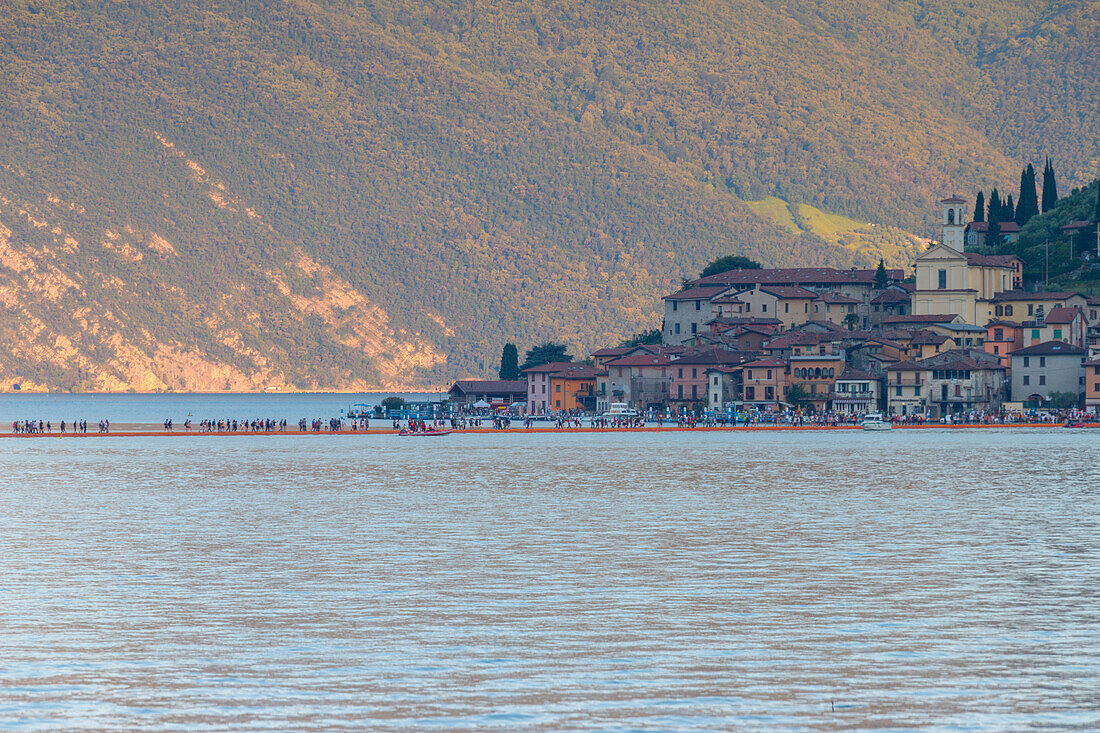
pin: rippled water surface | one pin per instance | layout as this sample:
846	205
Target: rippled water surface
767	581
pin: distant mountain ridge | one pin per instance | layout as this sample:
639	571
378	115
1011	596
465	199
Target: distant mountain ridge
249	194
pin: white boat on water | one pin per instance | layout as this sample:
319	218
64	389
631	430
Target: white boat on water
620	411
875	421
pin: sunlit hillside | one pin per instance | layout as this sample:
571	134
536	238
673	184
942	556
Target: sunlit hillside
242	195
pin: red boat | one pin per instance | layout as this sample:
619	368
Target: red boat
425	433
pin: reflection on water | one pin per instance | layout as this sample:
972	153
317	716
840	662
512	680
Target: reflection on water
679	581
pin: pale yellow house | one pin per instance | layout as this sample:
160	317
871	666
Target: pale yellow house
950	281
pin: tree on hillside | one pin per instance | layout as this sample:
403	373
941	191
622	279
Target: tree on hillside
979	207
544	354
643	338
729	262
993	236
1008	210
880	274
1050	188
1028	205
994	213
509	363
1096	207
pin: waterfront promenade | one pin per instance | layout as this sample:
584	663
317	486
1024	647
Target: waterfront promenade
138	430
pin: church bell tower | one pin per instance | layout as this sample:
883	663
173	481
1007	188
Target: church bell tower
952	222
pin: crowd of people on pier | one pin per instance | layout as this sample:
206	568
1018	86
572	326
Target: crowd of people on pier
34	427
565	421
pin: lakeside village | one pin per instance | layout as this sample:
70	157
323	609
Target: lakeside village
958	341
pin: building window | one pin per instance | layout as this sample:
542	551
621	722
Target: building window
996	349
1027	380
750	373
943	279
1027	361
679	372
694	373
676	328
1008	310
1042	361
694	327
998	334
698	305
1035	333
557	388
898	392
1031	309
1042	379
769	374
557	404
916	391
786	307
1057	334
674	304
763	307
999	311
750	393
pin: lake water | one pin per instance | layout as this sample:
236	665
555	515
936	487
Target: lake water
942	580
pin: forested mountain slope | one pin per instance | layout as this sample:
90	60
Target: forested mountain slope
242	194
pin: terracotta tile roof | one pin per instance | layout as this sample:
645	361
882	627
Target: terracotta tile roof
973	258
712	355
697	293
891	297
851	373
788	291
744	321
1077	224
613	351
1050	348
923	336
971	359
567	370
641	360
1007	227
1059	315
905	366
490	386
765	363
1014	295
796	276
827	325
932	318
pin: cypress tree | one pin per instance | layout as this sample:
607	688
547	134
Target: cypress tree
1096	208
994	206
880	274
1028	205
993	236
509	363
1008	212
979	207
1050	187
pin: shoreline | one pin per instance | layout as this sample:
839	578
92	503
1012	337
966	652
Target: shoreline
519	431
